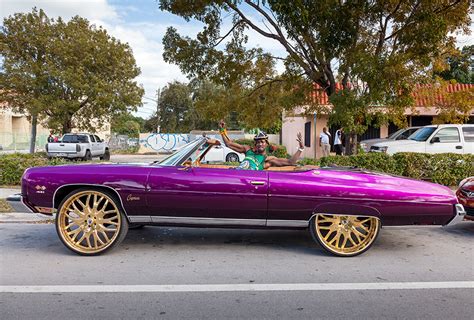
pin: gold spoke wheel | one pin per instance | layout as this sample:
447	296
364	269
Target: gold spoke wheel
345	235
89	222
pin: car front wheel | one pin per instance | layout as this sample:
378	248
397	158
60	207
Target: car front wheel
344	235
90	221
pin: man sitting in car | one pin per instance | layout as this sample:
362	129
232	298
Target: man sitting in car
256	157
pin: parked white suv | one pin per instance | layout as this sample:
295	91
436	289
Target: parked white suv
444	138
79	145
401	134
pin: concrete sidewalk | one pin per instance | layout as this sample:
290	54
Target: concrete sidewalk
5	192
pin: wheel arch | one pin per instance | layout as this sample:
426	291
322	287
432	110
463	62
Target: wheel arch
340	208
66	189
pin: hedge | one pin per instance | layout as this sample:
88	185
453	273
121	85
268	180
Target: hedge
445	168
13	165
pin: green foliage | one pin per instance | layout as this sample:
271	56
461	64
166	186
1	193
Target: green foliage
459	66
177	111
66	73
126	123
13	165
446	168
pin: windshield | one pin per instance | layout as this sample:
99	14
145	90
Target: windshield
188	152
395	134
422	134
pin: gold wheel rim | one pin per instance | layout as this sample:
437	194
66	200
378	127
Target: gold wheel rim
89	221
346	235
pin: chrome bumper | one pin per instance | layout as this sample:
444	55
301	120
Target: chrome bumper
460	214
16	202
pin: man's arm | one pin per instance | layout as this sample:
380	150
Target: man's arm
229	143
281	162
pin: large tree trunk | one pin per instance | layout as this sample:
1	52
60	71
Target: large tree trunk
351	144
67	126
34	122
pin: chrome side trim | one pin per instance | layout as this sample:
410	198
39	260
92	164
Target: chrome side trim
460	213
209	221
92	185
139	219
288	223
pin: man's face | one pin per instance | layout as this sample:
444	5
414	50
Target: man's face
260	145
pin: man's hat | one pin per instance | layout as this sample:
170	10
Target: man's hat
260	136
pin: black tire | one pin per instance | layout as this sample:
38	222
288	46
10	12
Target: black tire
327	239
135	226
88	156
106	155
232	157
62	223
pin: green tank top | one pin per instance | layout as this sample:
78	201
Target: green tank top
252	161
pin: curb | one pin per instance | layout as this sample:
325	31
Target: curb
25	217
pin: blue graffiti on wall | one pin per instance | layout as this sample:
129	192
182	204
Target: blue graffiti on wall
165	141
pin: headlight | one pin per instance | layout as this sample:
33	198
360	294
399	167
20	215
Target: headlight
383	149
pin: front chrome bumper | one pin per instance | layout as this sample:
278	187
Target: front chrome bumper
16	202
460	214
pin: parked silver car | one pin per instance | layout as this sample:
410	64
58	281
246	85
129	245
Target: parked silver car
401	134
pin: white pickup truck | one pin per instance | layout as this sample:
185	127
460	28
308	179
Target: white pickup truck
443	138
79	145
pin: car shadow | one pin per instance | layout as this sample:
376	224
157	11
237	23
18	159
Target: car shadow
291	240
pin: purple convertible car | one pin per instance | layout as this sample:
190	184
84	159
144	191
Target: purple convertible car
343	208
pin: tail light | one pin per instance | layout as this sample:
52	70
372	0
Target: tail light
46	147
78	148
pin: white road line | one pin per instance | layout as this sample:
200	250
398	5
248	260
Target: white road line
240	287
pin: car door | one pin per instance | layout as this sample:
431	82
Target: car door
468	135
93	145
216	154
193	195
445	140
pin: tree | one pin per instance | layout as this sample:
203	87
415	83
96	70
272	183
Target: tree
65	74
375	49
127	124
459	66
177	111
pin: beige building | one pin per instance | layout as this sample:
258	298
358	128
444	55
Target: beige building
15	131
311	126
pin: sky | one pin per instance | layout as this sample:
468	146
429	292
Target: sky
141	24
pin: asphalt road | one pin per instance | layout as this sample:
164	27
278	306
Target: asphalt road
184	273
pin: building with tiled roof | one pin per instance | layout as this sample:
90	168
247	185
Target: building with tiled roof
313	125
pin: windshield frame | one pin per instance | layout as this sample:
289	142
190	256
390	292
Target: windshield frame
179	156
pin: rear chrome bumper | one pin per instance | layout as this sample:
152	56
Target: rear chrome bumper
16	202
460	214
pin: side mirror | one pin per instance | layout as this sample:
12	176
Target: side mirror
435	139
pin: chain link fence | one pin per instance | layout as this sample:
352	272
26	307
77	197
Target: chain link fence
13	142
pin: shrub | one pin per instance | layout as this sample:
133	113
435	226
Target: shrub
13	165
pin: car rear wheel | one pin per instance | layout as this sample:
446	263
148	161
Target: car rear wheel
88	156
344	235
90	221
232	157
106	155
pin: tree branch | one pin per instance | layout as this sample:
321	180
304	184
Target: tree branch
227	34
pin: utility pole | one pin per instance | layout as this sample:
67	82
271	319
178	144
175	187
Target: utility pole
158	94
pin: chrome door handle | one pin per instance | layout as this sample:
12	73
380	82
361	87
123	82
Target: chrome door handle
257	183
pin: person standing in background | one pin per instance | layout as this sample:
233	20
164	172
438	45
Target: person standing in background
324	143
338	141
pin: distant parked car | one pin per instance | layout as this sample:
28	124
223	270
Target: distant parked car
222	154
443	138
79	145
401	134
465	194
